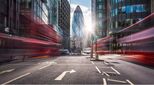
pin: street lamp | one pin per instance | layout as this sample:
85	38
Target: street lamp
96	55
92	50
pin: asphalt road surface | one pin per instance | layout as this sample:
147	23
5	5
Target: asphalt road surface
76	70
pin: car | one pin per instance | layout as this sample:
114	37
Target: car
86	51
64	52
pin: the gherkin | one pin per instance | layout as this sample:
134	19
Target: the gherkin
77	23
77	29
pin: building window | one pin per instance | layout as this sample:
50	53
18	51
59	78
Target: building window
100	6
117	1
133	8
114	12
100	15
26	3
99	0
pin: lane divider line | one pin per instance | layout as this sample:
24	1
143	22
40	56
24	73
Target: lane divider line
105	67
116	81
16	78
92	62
7	71
129	82
115	70
106	74
104	81
97	69
111	72
44	67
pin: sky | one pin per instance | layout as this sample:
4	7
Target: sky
81	2
86	9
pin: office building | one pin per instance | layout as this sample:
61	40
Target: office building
111	16
9	16
99	17
127	12
77	29
64	22
152	4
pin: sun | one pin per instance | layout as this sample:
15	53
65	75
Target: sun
88	24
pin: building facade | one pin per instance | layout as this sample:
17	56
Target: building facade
27	29
77	29
111	16
9	16
64	22
99	17
127	12
24	17
77	23
37	12
152	4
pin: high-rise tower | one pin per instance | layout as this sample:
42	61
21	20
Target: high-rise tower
77	27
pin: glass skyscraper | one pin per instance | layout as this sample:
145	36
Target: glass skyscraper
127	12
77	27
77	23
99	17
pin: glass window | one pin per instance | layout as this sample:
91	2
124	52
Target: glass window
100	6
100	15
133	8
114	12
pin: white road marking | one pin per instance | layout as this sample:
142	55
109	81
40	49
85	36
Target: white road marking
49	64
112	72
97	69
117	81
61	76
105	67
104	81
16	78
7	71
115	70
92	62
129	82
106	74
44	67
106	63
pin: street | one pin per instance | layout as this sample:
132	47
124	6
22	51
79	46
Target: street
75	70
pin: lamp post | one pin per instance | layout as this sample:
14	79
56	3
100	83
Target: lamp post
92	50
96	55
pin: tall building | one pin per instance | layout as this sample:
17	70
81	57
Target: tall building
53	12
27	28
77	23
99	17
9	16
111	16
64	22
77	29
25	17
152	4
37	12
127	12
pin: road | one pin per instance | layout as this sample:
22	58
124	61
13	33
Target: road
76	70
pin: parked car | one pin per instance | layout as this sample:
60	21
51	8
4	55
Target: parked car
64	52
86	51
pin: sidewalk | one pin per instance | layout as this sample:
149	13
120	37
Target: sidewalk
140	59
107	56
